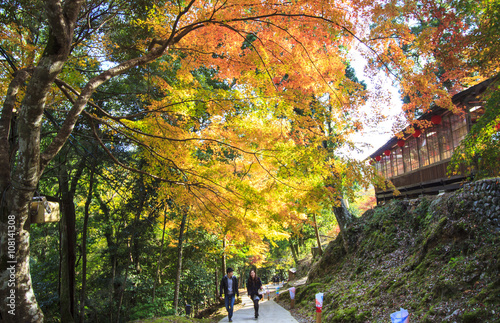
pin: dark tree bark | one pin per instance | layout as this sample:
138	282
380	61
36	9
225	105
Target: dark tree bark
84	245
112	246
141	198
179	261
318	238
297	249
157	277
123	286
223	256
68	239
294	253
114	261
216	274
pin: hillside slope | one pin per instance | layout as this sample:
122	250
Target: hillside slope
437	257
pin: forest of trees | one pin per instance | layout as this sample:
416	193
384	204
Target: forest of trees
181	136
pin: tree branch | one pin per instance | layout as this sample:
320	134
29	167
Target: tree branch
135	170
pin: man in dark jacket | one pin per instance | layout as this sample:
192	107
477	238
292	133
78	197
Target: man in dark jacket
229	287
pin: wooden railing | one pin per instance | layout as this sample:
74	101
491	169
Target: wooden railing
428	180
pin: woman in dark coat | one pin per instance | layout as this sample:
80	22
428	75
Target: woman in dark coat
253	286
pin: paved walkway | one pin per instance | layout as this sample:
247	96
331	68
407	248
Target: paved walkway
269	311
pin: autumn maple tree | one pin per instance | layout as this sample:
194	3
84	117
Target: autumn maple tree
435	49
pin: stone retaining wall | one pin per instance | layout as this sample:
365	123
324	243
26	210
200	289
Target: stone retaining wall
485	197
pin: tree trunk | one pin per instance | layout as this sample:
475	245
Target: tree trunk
344	218
123	286
18	302
109	235
84	245
318	239
216	283
223	256
68	241
241	282
135	236
112	286
179	262
19	183
67	259
294	254
297	249
157	278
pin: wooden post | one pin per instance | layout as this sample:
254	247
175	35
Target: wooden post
291	291
319	306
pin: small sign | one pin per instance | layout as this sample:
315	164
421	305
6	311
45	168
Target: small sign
292	292
319	302
43	211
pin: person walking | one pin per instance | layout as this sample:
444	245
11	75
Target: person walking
253	286
229	287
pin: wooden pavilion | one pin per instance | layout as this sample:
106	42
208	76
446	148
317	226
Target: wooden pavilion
417	164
